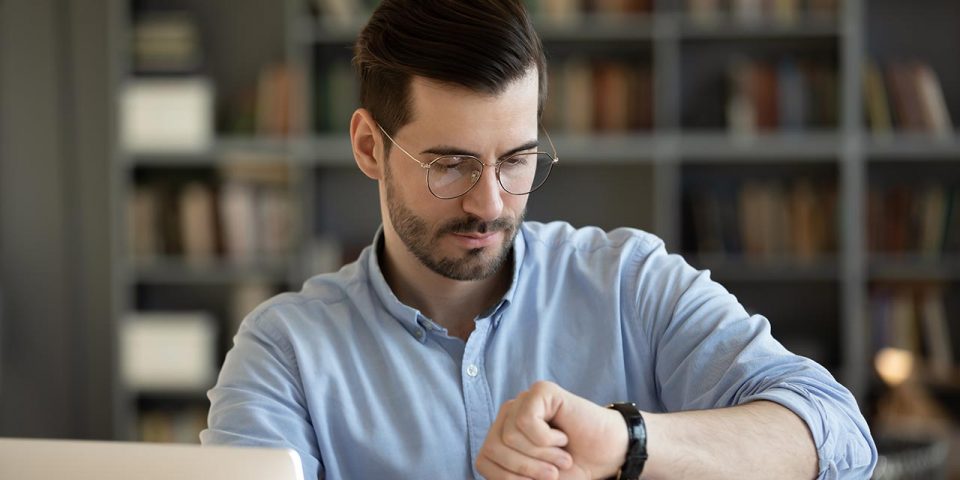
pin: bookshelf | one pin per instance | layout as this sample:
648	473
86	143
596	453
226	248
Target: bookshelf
696	137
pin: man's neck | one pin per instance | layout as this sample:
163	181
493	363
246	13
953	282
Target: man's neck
453	304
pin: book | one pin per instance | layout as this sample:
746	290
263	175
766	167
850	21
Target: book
791	96
610	99
579	96
804	215
198	224
906	101
875	100
142	223
786	12
748	12
166	42
168	351
741	111
280	101
951	230
764	92
561	12
640	98
166	115
933	107
932	221
238	219
904	321
937	338
704	12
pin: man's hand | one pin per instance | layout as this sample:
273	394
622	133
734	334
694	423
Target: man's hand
547	433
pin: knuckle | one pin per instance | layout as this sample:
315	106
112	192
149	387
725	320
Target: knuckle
513	439
543	386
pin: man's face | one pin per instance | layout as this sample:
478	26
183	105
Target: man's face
468	237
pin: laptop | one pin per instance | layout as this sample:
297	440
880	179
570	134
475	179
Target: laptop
29	459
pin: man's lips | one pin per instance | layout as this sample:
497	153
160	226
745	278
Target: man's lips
476	240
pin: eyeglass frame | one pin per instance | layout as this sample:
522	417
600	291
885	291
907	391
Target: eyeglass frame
426	166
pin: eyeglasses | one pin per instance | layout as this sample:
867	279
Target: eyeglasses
452	176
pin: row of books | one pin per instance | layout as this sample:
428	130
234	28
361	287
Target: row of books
247	215
905	96
561	11
337	95
755	12
763	219
914	219
273	107
166	42
172	425
788	95
599	96
914	318
349	12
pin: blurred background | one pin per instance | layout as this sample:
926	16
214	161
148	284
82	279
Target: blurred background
166	165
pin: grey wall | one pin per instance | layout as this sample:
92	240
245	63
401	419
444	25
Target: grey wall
55	335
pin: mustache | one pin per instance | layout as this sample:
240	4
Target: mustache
475	225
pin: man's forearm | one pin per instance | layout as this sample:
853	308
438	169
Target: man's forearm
756	440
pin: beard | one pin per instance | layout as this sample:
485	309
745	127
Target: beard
424	242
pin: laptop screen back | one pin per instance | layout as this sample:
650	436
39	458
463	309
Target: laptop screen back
27	459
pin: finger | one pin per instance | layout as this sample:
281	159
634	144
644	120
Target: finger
533	414
516	463
508	459
491	471
514	437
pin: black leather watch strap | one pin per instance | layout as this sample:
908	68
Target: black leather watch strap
636	441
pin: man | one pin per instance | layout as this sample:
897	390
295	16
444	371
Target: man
465	342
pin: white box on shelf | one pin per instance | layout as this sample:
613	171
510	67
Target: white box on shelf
167	115
169	351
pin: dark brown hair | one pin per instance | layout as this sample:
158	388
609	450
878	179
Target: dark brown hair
482	45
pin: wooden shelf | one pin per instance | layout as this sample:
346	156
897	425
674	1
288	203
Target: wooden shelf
805	27
224	150
773	147
587	28
179	271
333	149
748	269
912	146
914	267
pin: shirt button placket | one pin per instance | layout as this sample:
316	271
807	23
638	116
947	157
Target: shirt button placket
478	404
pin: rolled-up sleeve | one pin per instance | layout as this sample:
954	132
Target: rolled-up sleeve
710	353
258	399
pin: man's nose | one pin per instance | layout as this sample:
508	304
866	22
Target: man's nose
485	199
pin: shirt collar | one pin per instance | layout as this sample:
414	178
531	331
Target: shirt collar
410	318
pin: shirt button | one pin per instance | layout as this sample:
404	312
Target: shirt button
472	370
419	334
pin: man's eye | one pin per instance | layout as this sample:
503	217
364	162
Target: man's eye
450	162
517	161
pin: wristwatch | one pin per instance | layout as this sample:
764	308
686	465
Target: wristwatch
636	441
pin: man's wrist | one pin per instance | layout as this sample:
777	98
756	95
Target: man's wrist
619	441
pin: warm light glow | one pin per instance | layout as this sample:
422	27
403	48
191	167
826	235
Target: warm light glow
893	365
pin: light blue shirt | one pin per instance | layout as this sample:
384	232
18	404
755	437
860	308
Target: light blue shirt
363	386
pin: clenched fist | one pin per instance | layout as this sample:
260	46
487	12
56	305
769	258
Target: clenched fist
547	433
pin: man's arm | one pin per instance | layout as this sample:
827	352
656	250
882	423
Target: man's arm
258	400
756	440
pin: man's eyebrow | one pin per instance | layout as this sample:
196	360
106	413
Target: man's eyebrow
441	150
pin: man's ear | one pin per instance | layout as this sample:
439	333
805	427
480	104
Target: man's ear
366	139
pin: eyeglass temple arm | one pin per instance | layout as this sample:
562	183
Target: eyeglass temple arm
556	159
422	165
